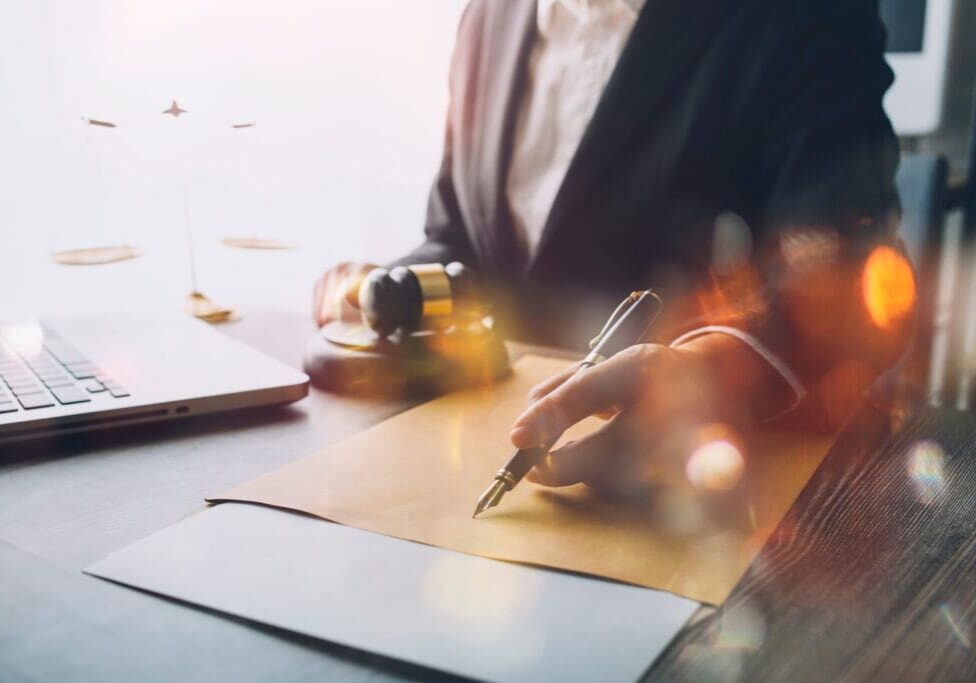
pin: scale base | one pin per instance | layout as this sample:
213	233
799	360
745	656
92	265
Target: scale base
203	308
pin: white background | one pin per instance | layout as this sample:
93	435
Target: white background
348	96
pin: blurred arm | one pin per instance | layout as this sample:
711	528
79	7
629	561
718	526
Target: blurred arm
836	299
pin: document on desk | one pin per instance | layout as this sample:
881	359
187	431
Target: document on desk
417	475
445	610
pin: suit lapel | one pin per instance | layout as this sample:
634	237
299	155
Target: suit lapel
667	40
511	31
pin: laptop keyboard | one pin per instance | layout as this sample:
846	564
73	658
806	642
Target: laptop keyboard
51	375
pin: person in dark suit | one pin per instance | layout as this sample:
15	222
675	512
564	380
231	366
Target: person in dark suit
733	154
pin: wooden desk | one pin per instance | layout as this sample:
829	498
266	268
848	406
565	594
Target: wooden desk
872	575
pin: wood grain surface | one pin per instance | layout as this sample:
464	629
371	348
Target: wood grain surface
871	576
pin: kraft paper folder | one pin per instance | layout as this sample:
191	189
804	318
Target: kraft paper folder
417	475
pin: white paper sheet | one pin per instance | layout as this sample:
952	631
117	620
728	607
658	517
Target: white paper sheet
446	610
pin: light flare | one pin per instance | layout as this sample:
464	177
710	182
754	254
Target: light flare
959	630
742	628
681	512
926	470
717	463
715	466
888	287
26	338
458	587
809	249
751	509
454	441
732	297
731	243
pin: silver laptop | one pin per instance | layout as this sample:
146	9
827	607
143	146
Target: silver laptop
92	372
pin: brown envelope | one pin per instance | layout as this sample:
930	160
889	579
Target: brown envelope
417	476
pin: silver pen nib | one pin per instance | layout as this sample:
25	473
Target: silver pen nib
490	498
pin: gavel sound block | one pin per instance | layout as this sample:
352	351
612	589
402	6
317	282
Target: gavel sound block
424	329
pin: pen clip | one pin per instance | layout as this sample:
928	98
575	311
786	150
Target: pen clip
615	316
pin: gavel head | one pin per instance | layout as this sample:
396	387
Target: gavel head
419	297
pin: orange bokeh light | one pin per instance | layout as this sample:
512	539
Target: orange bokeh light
888	287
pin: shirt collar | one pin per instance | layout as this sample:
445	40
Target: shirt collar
579	9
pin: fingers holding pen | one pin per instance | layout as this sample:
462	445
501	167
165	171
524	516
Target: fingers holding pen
618	381
654	388
586	459
547	386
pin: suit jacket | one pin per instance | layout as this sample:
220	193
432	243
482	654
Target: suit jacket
768	109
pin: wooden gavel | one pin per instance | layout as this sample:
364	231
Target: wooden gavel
427	296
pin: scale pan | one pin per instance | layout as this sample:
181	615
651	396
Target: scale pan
94	256
255	243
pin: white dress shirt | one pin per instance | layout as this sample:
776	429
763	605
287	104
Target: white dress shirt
577	48
578	44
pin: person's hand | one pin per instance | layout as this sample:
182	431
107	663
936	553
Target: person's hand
336	291
650	390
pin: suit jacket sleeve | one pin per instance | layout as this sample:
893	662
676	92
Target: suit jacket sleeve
446	238
837	294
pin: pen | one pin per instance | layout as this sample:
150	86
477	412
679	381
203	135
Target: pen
627	325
